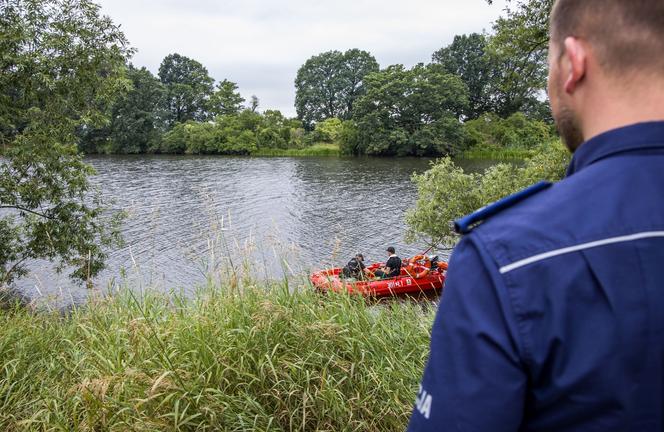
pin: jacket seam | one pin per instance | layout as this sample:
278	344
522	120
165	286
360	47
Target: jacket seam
502	284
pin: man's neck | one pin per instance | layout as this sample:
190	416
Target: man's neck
613	110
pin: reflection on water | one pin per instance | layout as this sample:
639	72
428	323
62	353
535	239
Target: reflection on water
189	215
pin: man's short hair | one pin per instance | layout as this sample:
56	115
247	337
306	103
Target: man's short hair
626	34
360	256
390	249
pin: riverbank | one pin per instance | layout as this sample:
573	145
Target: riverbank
256	358
499	154
334	149
320	149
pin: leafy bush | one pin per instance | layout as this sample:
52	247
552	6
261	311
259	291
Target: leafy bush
442	137
409	112
446	192
242	133
349	138
190	137
328	130
490	132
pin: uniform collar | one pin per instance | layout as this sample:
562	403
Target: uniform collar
639	136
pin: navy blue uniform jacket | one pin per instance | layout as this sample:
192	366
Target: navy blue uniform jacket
552	316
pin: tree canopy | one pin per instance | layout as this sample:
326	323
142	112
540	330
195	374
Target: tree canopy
188	88
520	48
328	84
468	59
409	112
226	99
138	117
62	64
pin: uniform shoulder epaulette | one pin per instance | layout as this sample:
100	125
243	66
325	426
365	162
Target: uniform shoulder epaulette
467	223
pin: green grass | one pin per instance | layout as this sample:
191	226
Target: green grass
268	358
498	154
320	149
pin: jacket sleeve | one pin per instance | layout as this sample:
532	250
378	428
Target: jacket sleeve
474	379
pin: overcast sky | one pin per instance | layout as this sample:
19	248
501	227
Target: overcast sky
260	44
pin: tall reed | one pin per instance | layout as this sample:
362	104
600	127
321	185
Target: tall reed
234	357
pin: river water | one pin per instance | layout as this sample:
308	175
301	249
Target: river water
189	217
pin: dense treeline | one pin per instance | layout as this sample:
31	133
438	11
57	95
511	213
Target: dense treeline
481	92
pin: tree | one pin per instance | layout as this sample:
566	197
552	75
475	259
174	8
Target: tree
409	112
188	88
530	18
357	64
467	58
226	99
254	103
61	61
519	49
137	117
506	72
328	84
318	87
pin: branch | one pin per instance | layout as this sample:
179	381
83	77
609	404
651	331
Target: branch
45	216
8	273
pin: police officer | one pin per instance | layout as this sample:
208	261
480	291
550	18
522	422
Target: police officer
552	318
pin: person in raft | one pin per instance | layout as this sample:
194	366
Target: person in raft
392	267
355	267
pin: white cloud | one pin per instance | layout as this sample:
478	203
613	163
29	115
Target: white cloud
260	44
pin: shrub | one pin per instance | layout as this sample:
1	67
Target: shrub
446	192
349	143
490	132
328	130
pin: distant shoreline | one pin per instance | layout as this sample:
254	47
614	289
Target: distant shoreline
333	150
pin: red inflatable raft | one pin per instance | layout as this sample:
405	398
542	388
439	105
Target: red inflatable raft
417	276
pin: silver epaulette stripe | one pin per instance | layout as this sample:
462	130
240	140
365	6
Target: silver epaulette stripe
539	257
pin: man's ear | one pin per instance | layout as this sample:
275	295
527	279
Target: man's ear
575	55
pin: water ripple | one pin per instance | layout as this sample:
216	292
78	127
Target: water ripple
185	212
